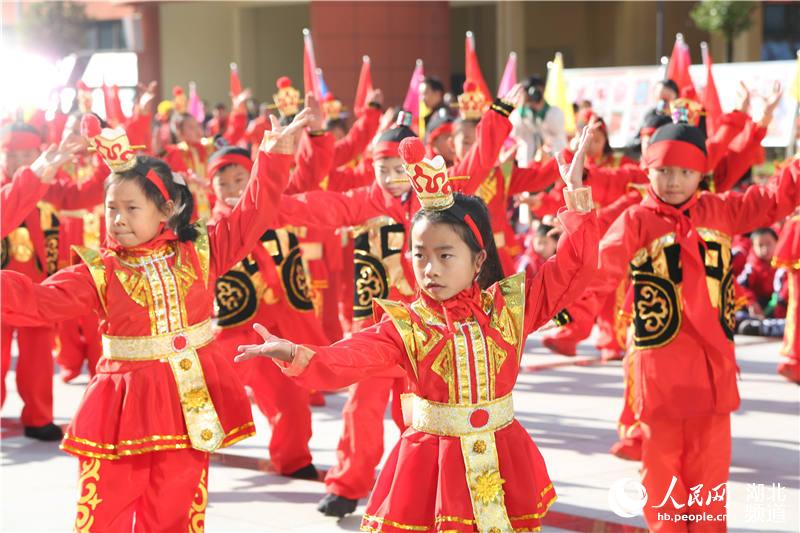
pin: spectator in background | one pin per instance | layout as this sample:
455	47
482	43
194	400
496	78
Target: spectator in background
538	126
432	95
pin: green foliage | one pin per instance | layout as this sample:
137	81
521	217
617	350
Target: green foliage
55	29
721	16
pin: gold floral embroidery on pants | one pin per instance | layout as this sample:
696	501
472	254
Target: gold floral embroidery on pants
90	499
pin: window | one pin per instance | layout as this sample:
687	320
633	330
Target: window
781	37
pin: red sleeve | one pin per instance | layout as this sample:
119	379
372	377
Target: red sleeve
366	353
138	128
533	179
327	209
237	125
491	133
563	277
19	198
66	294
717	145
66	194
762	205
609	184
346	178
314	158
357	139
233	236
174	158
737	160
616	249
608	214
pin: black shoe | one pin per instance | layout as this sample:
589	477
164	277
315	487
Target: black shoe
333	505
307	472
750	326
49	432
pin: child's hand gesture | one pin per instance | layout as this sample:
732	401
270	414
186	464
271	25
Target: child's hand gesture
572	173
283	139
239	101
742	98
515	95
770	103
273	347
47	164
316	120
148	96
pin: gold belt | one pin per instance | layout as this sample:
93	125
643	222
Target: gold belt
500	239
179	349
450	420
154	347
475	427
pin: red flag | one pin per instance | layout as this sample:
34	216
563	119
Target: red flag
236	84
310	81
114	114
364	86
678	69
472	68
710	97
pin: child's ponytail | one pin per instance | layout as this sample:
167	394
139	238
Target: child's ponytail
181	220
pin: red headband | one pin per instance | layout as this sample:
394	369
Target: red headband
386	149
156	180
229	159
671	153
441	130
475	231
20	140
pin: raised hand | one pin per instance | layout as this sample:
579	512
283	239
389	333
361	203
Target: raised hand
47	164
572	173
284	139
515	95
273	347
148	96
742	98
375	96
770	103
239	101
316	118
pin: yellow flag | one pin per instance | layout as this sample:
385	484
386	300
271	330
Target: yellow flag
795	90
555	92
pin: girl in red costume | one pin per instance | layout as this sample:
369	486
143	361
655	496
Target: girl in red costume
459	344
162	399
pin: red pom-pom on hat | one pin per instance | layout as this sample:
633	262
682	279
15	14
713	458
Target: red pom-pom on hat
329	97
470	86
411	150
283	82
90	126
177	90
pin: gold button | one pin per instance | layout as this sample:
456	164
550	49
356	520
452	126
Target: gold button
186	364
494	530
479	446
206	434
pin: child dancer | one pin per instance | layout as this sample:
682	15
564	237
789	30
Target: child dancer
162	398
460	345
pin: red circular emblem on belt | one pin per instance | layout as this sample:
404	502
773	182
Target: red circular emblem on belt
479	418
180	342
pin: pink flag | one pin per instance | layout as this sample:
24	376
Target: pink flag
196	108
411	103
509	78
310	80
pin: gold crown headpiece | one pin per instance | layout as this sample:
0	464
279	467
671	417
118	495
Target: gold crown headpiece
112	144
428	177
472	102
287	99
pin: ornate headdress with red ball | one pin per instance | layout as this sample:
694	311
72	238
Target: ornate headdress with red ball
332	107
287	99
472	102
116	150
429	180
179	100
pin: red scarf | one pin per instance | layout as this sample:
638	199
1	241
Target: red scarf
701	315
466	304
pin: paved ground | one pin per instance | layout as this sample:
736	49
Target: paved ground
569	406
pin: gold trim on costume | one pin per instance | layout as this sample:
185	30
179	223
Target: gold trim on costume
402	322
579	199
89	499
153	347
448	420
94	261
484	482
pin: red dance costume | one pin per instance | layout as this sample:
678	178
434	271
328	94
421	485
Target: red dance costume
163	396
462	358
684	382
787	256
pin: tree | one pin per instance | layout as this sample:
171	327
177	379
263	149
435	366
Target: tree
723	17
55	29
